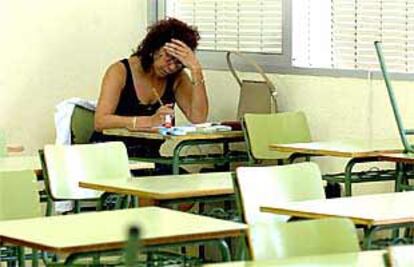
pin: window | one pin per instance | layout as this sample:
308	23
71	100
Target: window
255	27
340	34
299	35
243	25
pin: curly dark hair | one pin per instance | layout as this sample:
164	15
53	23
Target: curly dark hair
162	32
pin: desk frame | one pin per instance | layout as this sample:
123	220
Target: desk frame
224	138
348	177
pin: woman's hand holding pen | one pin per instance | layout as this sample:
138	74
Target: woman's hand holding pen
159	117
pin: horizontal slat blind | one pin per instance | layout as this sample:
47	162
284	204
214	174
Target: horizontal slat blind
356	24
244	25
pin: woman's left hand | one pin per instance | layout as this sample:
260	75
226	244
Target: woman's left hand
183	53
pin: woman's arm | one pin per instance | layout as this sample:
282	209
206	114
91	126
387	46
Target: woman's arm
112	85
191	95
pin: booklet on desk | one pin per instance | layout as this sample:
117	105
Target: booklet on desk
204	128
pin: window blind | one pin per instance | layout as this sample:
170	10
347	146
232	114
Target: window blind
354	26
243	25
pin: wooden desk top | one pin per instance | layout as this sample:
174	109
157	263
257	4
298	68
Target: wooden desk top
20	163
379	209
401	256
137	165
398	157
108	229
168	186
373	258
195	136
351	148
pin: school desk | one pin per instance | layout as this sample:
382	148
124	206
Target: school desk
357	151
188	140
107	231
372	212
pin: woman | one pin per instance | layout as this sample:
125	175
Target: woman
133	89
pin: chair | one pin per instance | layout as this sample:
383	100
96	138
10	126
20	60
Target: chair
81	125
304	238
19	196
274	184
19	199
269	184
64	166
261	130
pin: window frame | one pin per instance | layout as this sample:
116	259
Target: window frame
272	63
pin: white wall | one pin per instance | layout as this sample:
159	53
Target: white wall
51	50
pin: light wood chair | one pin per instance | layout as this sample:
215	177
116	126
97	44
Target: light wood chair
19	196
304	238
19	199
64	166
274	184
81	125
261	130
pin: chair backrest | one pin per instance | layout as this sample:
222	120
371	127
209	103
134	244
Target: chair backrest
19	196
67	165
304	238
261	130
275	184
81	125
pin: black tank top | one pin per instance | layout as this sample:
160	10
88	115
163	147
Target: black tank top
129	105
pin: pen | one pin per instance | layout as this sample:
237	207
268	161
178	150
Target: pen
158	96
168	119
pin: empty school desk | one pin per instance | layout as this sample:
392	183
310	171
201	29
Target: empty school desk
107	231
177	159
358	151
373	212
357	259
170	189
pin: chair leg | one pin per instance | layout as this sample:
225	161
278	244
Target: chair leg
49	207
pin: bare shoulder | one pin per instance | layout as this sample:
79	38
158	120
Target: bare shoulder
116	69
115	75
